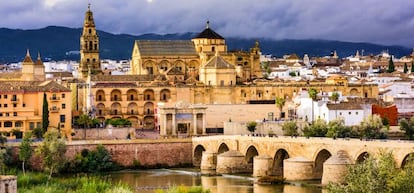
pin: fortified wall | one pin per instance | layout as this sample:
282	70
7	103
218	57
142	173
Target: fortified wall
149	153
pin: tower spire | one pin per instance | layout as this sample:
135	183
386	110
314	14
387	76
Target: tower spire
207	24
27	53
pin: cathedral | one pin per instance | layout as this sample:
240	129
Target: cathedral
196	71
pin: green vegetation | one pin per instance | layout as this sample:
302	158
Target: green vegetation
45	114
290	128
38	132
280	102
405	68
118	122
183	189
335	96
25	150
318	128
39	183
52	152
98	160
17	133
391	66
408	127
371	127
251	126
377	176
337	129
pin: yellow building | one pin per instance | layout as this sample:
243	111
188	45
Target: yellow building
200	71
22	96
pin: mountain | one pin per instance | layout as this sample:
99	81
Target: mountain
59	43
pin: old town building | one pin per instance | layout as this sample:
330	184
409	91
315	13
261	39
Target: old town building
197	71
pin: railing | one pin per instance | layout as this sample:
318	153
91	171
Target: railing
54	109
54	98
116	99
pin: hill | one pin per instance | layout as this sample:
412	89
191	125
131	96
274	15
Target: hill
59	43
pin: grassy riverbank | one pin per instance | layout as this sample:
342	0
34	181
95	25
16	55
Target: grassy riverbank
38	183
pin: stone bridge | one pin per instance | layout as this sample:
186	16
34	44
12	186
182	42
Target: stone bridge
296	158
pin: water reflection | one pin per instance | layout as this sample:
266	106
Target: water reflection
146	181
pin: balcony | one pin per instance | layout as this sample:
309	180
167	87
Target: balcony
116	99
115	113
132	113
54	98
54	109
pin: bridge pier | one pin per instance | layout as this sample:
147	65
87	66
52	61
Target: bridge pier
262	166
298	168
231	162
208	163
335	168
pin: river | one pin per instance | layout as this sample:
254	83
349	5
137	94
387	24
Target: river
146	181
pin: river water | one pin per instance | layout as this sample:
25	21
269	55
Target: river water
147	181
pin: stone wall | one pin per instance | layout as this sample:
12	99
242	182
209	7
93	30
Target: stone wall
8	184
149	153
267	127
102	133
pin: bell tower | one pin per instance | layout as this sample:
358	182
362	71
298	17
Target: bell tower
89	47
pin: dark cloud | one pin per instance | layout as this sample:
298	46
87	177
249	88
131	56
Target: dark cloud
386	22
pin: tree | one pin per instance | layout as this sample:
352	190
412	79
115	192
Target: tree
335	96
52	151
337	128
317	129
391	66
251	126
408	128
377	176
290	128
372	128
313	94
45	113
25	150
280	102
85	121
405	68
3	155
412	67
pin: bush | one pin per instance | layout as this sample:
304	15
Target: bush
317	129
290	128
118	122
98	160
38	132
251	126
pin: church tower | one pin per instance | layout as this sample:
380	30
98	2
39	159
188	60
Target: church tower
89	47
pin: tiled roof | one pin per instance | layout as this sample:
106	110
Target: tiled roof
32	86
209	34
166	48
344	106
218	62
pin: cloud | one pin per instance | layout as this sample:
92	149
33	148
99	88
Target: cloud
385	22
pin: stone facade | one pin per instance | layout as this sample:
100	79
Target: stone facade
8	184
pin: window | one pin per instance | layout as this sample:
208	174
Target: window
63	106
213	49
349	112
131	97
356	113
15	114
14	97
8	124
18	124
0	124
0	105
5	96
63	95
7	114
38	125
24	105
54	96
340	113
14	105
62	118
1	114
31	125
221	82
5	105
115	97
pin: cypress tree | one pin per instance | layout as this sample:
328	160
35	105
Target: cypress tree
391	67
45	113
405	68
412	67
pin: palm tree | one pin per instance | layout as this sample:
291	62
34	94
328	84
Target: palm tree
280	102
313	93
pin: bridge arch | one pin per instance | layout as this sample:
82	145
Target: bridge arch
321	157
250	154
198	153
407	158
222	148
280	155
362	156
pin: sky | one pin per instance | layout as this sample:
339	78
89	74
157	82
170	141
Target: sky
387	22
